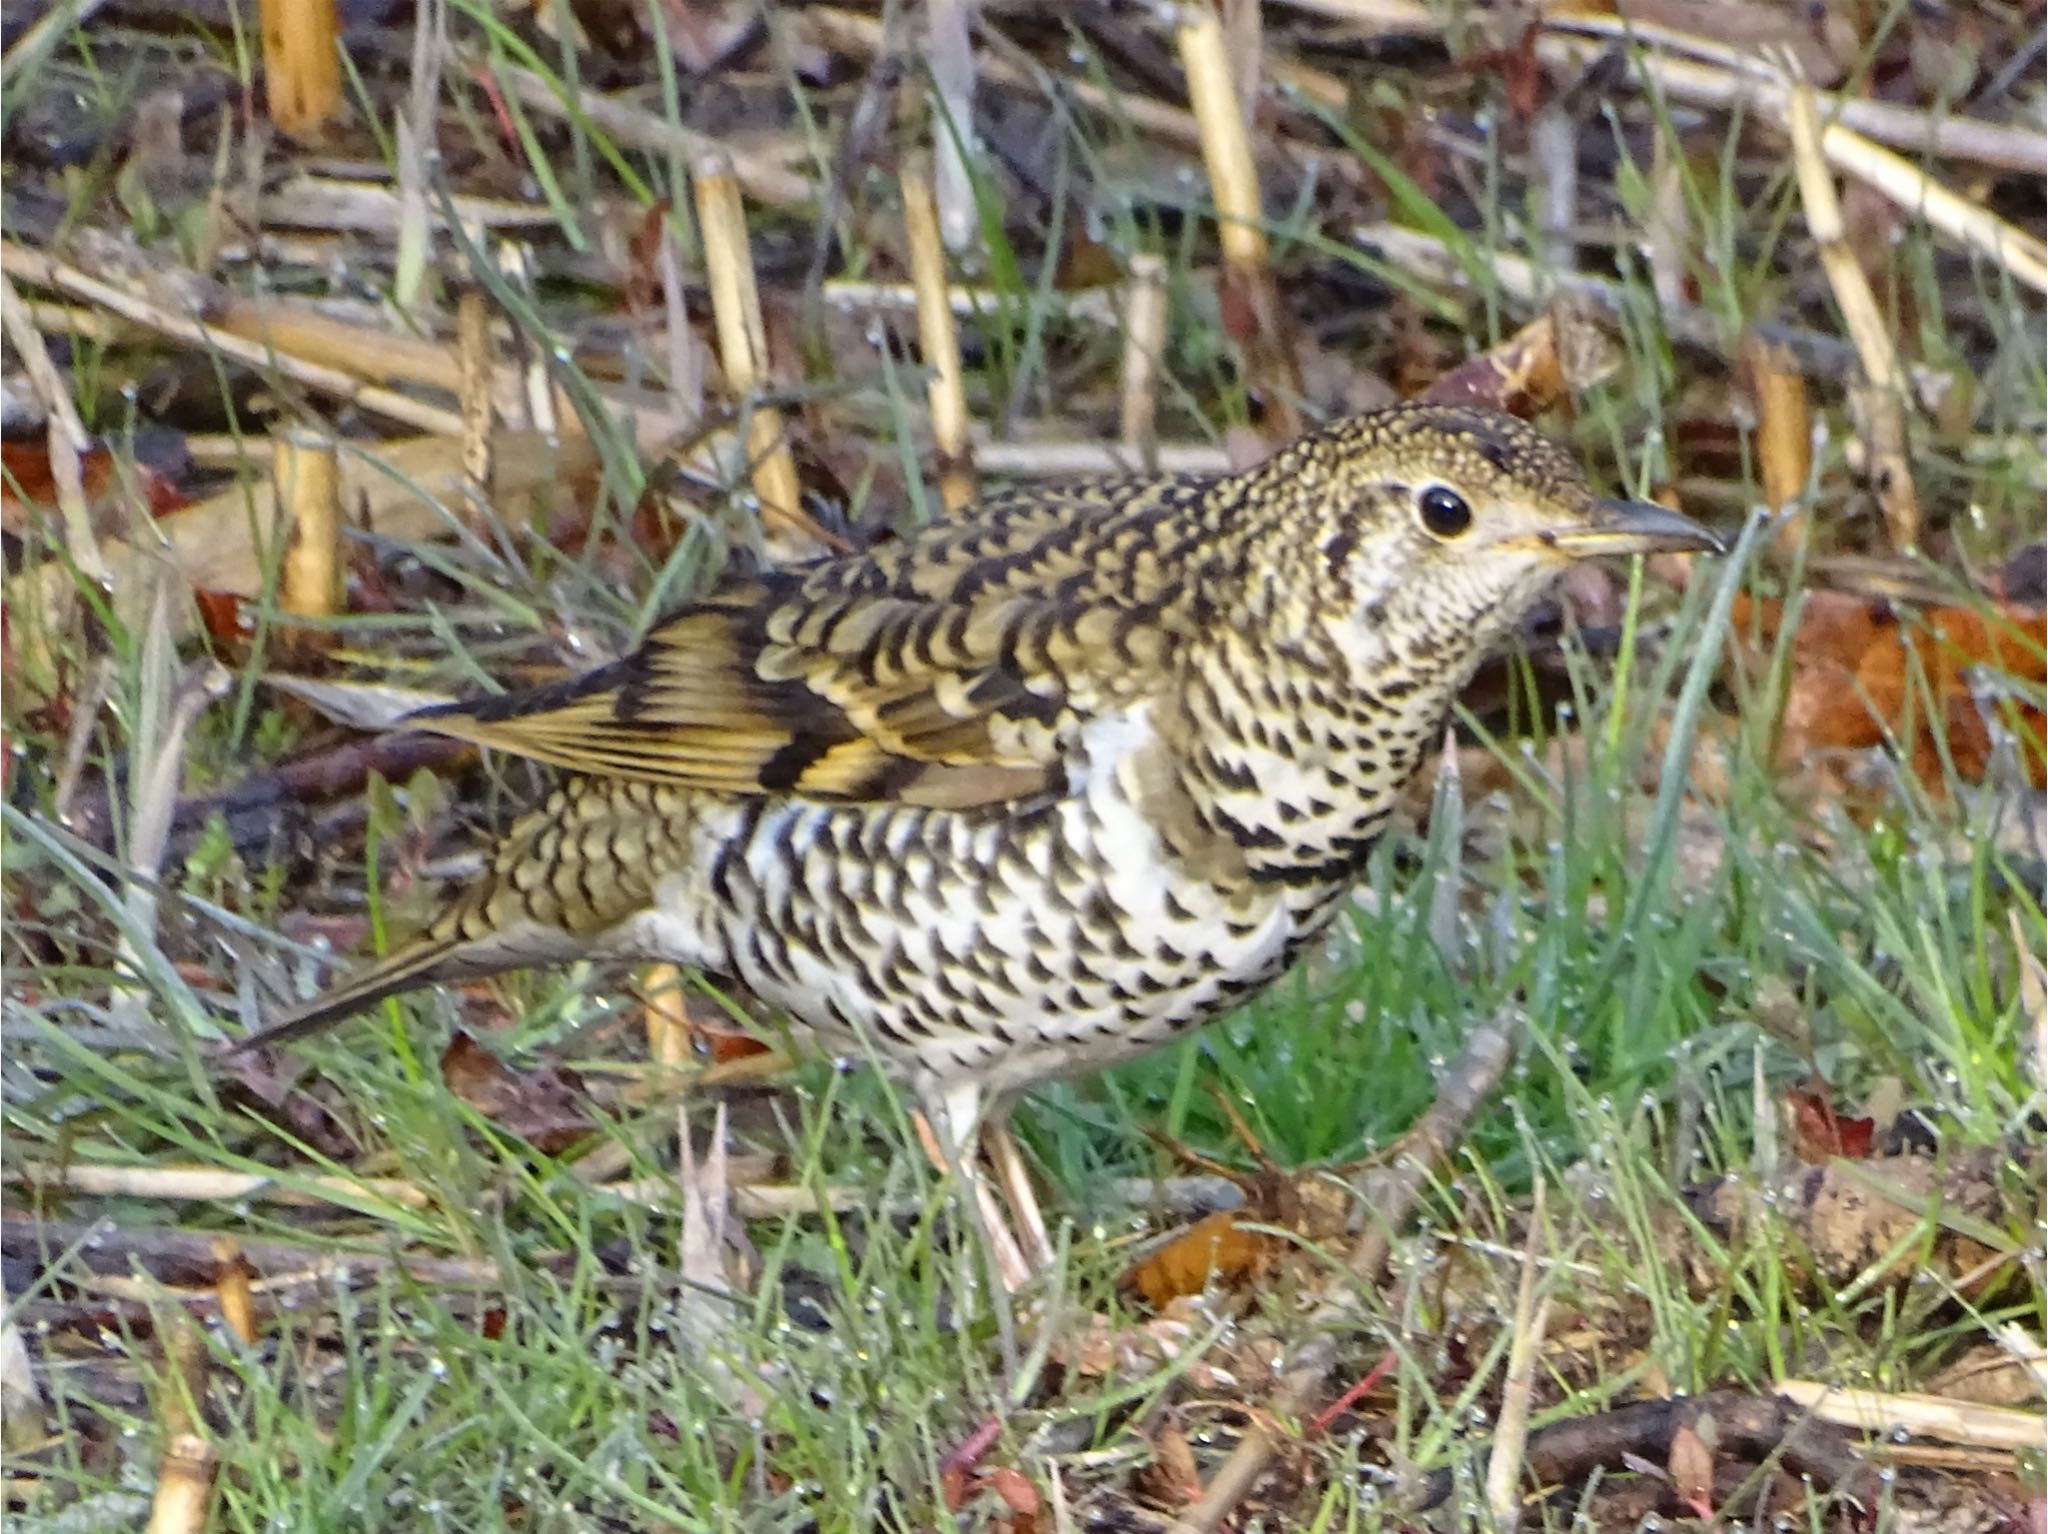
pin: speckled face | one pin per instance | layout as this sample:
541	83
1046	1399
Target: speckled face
1435	528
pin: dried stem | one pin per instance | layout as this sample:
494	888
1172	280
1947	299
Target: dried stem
475	367
951	60
301	64
947	391
306	471
26	265
668	1016
416	143
743	341
1234	183
684	354
231	1288
1390	1195
763	176
1061	458
184	1486
1226	146
1144	345
2001	1427
1784	435
68	441
1911	188
1881	402
1511	1429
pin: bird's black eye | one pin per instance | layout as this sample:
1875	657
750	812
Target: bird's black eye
1444	511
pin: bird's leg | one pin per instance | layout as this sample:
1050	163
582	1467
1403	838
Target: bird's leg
954	1112
1007	1157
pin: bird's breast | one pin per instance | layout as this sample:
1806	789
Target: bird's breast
1012	941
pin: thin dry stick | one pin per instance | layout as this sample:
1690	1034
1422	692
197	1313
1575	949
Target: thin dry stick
951	59
765	177
1784	436
1092	306
854	33
365	208
365	352
667	1015
306	470
743	339
1752	83
416	145
1881	401
68	441
184	1486
1994	1427
1511	1427
301	64
231	1288
685	355
211	1184
1389	1196
1226	146
1144	344
21	1398
535	391
26	265
1234	183
1554	174
475	367
1669	233
159	747
1906	184
1064	458
947	391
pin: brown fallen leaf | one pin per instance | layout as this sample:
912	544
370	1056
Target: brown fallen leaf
546	1107
28	486
1562	351
1820	1134
1691	1463
1864	669
1215	1246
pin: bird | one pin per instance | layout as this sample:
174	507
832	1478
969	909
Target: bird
1040	786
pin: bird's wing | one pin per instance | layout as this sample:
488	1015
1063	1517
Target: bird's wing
954	669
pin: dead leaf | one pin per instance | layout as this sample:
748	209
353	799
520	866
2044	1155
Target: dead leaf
28	486
1692	1470
546	1107
1018	1494
1174	1479
1819	1134
1539	367
1866	668
1216	1245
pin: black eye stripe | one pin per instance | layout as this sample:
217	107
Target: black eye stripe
1444	511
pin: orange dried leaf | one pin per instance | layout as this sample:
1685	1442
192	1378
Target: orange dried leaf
1215	1244
1863	670
1016	1490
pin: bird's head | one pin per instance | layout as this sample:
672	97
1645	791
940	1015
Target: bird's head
1430	531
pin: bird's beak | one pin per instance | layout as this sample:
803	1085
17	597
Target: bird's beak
1633	527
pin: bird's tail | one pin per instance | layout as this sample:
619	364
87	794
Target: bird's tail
567	874
434	956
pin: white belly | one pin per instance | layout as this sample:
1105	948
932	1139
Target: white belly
1008	943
